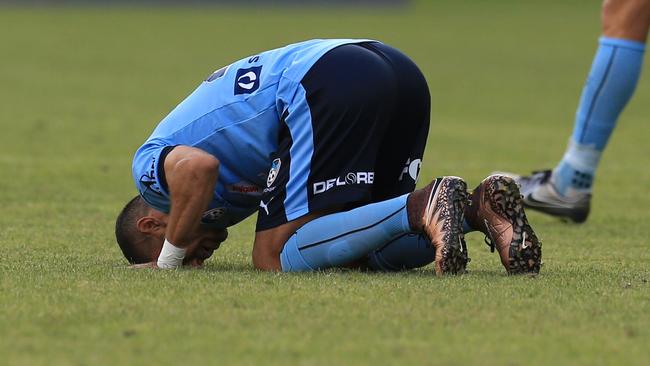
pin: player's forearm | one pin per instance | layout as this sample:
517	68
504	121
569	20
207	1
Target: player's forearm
191	188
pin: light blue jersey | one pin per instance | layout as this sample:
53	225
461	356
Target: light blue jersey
234	115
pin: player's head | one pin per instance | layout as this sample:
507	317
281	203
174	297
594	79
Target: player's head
140	233
135	230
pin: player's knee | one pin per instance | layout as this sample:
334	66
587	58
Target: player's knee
267	263
627	19
266	257
270	243
279	254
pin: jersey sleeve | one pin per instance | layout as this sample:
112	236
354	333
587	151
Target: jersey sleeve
149	176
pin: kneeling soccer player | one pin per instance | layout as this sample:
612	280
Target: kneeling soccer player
324	139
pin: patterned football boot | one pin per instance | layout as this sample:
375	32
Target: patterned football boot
437	211
496	209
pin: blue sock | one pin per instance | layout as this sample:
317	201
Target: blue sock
407	251
610	85
575	172
343	237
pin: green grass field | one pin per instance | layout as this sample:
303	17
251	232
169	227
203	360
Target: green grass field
81	88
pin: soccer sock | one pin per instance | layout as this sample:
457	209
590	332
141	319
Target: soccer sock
340	238
610	85
575	172
407	251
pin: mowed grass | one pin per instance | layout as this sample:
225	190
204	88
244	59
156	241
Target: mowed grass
81	88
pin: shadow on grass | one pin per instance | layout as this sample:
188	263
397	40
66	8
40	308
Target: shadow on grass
556	272
425	272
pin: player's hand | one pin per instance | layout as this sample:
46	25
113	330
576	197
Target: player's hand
207	241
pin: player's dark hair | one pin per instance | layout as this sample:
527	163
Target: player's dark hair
127	233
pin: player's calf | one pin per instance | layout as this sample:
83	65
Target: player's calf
341	238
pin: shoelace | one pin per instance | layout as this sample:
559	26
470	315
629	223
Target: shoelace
488	236
489	243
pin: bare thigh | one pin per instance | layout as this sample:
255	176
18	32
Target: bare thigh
628	19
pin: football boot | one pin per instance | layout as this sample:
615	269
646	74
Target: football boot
496	209
437	211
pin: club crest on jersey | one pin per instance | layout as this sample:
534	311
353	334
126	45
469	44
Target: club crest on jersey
273	173
247	80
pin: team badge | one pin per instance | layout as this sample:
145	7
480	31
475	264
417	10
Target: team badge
273	173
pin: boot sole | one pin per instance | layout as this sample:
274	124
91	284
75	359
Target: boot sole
577	215
525	252
450	198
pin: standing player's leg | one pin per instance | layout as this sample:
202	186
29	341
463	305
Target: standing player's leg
566	190
611	83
